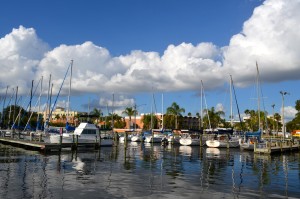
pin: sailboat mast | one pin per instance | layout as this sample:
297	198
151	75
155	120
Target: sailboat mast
112	111
2	115
70	85
152	113
258	96
237	105
207	112
201	106
39	106
162	111
231	110
16	97
48	99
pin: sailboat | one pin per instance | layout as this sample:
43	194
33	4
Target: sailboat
224	137
247	143
156	135
68	126
67	137
192	138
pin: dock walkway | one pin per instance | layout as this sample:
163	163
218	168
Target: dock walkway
42	146
273	146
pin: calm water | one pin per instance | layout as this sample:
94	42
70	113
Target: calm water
145	171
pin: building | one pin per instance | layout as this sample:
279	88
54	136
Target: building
61	115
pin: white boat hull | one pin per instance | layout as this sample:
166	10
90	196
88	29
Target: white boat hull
149	139
136	138
223	144
191	141
55	139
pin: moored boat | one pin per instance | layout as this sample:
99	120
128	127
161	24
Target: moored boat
86	132
224	139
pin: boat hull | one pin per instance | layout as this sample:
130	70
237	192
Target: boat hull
222	144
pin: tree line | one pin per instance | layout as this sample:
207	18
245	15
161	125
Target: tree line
172	119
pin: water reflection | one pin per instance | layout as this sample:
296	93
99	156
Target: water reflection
148	170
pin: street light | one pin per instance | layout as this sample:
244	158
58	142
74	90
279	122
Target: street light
283	93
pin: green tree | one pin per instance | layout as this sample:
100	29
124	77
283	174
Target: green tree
213	117
97	114
64	117
199	118
57	117
176	111
147	121
295	123
129	111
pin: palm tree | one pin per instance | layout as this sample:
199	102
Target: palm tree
175	110
97	113
214	117
116	119
277	118
57	117
129	111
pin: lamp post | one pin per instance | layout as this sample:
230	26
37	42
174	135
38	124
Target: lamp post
283	93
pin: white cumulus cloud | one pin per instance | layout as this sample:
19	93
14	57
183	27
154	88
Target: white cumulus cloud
271	36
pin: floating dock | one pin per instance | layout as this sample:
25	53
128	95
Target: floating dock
273	146
42	146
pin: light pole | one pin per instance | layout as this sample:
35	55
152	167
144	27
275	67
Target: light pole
283	93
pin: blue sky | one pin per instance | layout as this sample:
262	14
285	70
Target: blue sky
135	49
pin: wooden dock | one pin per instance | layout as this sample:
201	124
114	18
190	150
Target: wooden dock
42	146
273	146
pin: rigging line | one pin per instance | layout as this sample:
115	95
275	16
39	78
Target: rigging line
27	105
59	92
241	123
32	112
206	105
263	102
19	114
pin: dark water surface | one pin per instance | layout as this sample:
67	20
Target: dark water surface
145	171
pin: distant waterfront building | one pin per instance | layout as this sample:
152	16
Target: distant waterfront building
61	115
185	122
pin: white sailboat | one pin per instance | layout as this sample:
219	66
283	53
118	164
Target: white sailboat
223	141
224	137
247	143
156	137
190	139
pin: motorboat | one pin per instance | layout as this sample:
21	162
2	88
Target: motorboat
86	132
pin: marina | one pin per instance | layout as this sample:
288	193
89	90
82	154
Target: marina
149	171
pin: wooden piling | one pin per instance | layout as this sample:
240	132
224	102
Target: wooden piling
76	141
60	142
200	137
